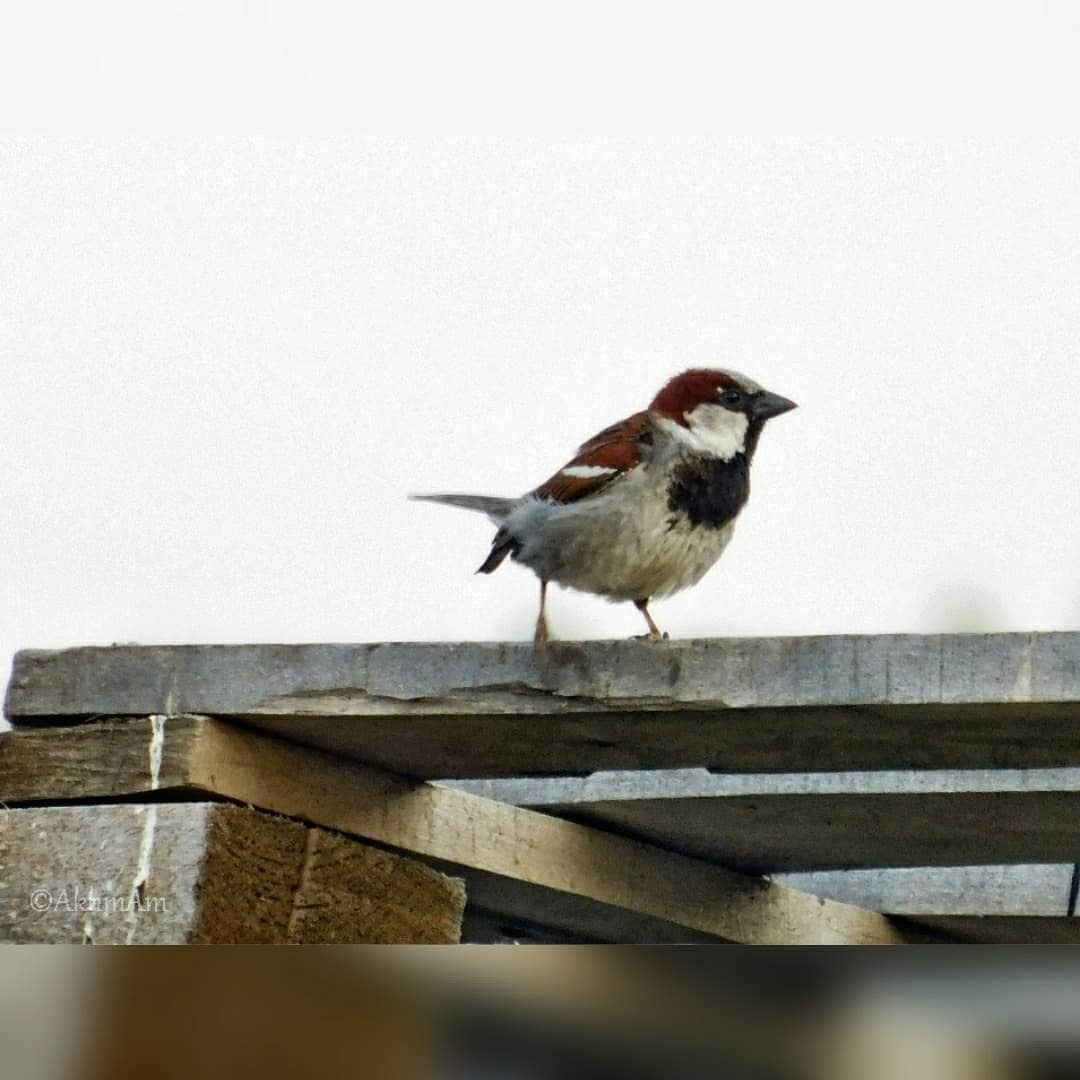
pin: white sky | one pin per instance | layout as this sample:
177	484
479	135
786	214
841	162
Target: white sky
225	361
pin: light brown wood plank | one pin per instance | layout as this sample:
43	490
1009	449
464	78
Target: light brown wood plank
476	709
90	760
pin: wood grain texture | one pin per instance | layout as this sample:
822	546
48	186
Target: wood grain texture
785	833
1024	889
519	861
782	823
520	845
209	872
57	767
474	709
355	894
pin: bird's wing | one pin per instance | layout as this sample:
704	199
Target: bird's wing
605	457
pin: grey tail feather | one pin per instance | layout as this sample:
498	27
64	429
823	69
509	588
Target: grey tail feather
495	508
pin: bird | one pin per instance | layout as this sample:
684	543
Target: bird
645	507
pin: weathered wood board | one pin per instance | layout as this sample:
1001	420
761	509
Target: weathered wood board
778	823
530	865
175	873
473	709
1027	889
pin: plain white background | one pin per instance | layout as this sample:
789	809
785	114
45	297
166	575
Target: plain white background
226	360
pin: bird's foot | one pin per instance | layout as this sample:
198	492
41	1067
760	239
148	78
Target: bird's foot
659	635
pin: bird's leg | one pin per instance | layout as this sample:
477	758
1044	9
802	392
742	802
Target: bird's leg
655	633
541	635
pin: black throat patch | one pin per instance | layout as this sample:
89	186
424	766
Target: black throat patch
709	491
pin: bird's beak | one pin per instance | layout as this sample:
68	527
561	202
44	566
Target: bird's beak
767	405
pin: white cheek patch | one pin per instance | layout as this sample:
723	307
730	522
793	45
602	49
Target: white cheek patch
712	430
587	472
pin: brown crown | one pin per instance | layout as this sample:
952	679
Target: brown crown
688	390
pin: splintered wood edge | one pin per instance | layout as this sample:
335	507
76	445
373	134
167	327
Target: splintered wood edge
451	827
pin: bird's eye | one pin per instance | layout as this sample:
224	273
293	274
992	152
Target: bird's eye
732	398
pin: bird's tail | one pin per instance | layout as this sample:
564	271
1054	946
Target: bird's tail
495	508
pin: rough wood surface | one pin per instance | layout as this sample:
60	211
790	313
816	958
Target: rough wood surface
475	709
785	833
527	862
55	767
950	890
69	873
785	823
932	895
356	894
208	872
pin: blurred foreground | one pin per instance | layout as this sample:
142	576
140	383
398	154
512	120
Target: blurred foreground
539	1013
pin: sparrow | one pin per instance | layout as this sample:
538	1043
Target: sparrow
647	506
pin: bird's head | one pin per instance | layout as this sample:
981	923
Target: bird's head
716	412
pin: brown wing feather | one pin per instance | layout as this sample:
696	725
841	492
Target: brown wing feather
619	447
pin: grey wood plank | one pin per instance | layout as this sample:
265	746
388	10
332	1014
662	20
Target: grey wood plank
777	823
949	890
701	784
771	834
482	709
69	874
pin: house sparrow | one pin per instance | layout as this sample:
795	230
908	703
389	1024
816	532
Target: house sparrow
648	505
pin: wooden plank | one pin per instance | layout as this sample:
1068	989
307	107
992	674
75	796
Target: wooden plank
627	785
55	768
69	874
782	823
474	709
615	885
1036	889
784	833
208	872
